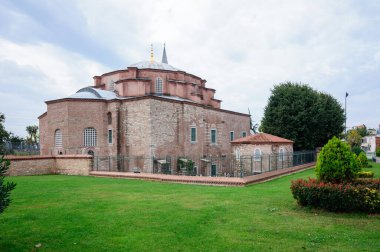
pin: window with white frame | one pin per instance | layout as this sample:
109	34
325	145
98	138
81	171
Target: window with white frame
281	154
257	155
159	86
89	137
213	136
193	134
109	136
237	153
232	136
58	138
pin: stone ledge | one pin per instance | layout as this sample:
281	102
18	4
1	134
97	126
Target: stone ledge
48	157
215	181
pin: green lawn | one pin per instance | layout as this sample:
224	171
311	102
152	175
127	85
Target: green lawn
73	213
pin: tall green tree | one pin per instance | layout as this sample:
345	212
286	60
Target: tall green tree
4	135
297	112
33	134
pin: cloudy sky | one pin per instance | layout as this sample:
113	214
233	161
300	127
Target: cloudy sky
50	49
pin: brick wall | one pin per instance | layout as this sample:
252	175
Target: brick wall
41	165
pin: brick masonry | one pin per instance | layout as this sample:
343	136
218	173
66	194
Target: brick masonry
43	165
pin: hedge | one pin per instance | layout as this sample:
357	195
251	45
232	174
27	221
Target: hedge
366	174
358	196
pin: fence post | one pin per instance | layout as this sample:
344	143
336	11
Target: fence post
270	164
241	168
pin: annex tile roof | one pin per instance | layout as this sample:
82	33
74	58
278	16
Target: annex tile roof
155	65
261	138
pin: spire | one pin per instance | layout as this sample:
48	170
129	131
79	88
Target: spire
151	54
164	58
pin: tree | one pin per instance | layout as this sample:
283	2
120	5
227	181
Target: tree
5	187
297	112
4	135
362	130
353	138
33	134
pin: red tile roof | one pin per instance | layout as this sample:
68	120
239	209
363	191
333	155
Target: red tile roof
261	138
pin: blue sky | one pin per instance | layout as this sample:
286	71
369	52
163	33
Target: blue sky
50	49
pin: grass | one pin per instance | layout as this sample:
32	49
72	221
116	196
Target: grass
74	213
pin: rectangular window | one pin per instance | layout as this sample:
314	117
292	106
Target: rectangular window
232	136
193	137
213	136
244	134
109	136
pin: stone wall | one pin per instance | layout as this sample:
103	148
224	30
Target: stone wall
42	165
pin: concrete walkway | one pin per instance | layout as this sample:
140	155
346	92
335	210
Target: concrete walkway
216	181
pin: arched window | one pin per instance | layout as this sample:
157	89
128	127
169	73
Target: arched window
89	137
112	85
159	86
58	138
281	154
91	152
237	154
257	155
109	117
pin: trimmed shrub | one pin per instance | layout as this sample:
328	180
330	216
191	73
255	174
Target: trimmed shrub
377	152
338	197
370	183
336	163
366	174
362	160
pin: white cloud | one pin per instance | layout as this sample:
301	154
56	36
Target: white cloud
32	74
242	48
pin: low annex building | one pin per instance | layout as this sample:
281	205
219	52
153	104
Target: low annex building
150	109
264	151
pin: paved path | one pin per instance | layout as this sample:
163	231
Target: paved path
218	181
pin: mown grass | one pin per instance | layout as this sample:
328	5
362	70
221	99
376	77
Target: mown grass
73	213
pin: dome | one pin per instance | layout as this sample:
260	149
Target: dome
93	93
154	65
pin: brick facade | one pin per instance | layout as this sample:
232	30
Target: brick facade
144	124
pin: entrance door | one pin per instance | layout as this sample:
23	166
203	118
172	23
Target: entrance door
213	170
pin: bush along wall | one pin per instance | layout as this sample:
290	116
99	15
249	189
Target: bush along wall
360	196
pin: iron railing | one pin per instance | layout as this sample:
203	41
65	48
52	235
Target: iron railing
215	166
19	148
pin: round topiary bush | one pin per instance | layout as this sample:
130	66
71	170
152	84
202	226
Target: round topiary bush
336	163
362	160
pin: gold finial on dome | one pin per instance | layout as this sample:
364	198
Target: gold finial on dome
151	53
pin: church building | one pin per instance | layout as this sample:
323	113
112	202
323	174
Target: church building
150	109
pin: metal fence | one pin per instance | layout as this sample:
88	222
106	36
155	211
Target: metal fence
19	148
214	166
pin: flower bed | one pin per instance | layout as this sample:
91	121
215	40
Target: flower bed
360	195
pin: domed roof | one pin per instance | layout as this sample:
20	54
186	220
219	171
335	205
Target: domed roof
154	65
93	93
